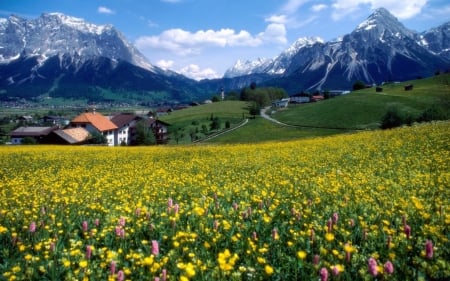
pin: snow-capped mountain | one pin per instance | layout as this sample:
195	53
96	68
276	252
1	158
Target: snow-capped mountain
273	66
437	40
58	34
61	56
379	49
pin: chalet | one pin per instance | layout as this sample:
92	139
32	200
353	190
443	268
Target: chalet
24	119
37	133
409	87
283	103
95	122
55	120
317	98
159	129
71	136
300	98
125	123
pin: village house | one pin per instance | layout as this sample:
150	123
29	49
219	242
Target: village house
283	103
300	98
36	133
160	129
126	131
95	122
72	136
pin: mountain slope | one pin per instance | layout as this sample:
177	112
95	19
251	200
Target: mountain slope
60	56
379	49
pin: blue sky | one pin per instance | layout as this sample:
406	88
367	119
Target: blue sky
202	38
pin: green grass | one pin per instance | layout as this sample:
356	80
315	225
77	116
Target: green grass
364	109
262	130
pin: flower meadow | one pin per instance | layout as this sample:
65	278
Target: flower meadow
373	205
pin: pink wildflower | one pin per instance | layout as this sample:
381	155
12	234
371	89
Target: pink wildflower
389	267
120	275
373	269
32	227
335	271
407	230
112	268
335	217
122	221
85	226
254	235
164	275
330	225
316	260
323	274
155	248
429	249
88	252
97	222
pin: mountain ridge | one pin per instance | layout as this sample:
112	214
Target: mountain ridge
57	55
379	49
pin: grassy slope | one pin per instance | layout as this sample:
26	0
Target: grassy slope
364	109
359	110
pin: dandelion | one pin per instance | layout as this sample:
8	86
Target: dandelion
429	249
32	227
155	248
329	237
323	274
373	267
268	269
389	267
301	255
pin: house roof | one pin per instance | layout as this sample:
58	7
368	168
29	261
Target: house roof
32	131
122	119
96	119
150	121
73	135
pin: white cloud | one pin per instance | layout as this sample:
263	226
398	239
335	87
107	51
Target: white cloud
292	6
165	64
195	72
182	42
400	9
105	10
318	7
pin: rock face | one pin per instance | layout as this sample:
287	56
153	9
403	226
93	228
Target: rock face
379	49
61	56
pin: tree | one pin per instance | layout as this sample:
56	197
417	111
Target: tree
359	85
97	138
215	124
393	118
144	134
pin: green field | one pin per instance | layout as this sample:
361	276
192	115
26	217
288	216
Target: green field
364	109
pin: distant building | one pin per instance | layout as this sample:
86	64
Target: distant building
96	122
125	123
73	136
37	133
281	103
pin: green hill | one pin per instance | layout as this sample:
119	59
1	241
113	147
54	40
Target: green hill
359	110
364	109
